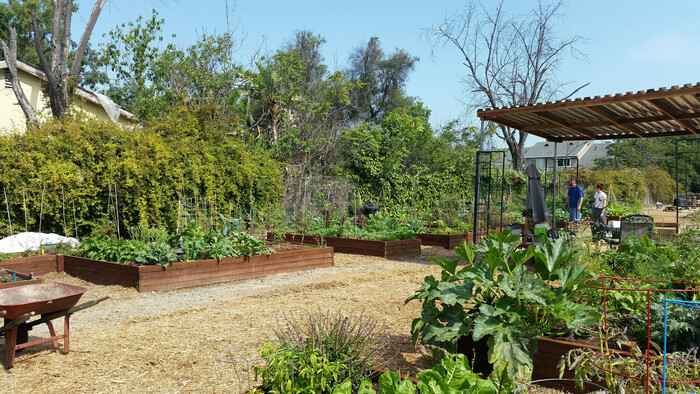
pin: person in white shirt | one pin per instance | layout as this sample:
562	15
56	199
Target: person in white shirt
600	201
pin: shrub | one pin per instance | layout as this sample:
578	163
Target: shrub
355	341
74	166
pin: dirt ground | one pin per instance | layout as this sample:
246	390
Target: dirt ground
168	341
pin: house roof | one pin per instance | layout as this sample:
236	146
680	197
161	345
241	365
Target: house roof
82	93
652	113
564	149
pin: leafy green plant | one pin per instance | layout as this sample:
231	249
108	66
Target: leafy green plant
309	370
354	340
452	375
621	209
374	228
197	244
155	254
496	294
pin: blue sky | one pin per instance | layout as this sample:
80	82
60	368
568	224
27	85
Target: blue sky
630	46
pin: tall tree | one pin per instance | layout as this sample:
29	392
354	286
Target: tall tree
381	80
60	77
510	61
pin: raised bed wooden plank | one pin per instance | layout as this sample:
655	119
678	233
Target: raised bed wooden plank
39	265
196	273
174	282
218	270
101	272
386	249
447	241
244	269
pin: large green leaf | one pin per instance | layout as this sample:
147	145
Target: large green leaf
523	285
446	264
515	344
366	387
466	251
432	382
572	276
550	256
343	388
452	293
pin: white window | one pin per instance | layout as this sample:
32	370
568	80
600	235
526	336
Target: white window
8	83
563	163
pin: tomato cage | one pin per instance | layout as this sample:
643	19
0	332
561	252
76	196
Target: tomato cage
621	284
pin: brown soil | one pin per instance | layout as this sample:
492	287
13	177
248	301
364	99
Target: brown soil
167	341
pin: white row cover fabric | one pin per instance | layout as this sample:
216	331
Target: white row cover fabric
22	242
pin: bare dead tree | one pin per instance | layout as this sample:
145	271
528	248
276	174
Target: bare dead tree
510	61
60	77
11	60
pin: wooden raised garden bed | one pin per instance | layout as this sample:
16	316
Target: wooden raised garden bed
22	279
450	241
39	265
447	241
549	352
197	273
386	249
185	274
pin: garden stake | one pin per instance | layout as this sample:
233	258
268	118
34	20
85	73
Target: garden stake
24	204
41	206
7	206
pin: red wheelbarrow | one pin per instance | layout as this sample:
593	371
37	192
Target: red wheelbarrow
50	300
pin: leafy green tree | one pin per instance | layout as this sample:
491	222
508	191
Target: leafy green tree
18	15
129	55
55	58
296	106
657	153
381	79
402	163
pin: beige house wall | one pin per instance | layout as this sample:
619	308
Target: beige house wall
12	120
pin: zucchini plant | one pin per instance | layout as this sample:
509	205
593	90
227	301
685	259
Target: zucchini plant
495	294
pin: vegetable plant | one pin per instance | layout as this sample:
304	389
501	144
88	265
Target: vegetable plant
496	294
452	375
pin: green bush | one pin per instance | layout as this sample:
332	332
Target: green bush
74	166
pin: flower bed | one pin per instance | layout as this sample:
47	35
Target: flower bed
386	249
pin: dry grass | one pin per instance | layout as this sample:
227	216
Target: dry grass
168	341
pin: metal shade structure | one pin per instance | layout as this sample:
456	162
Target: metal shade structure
653	113
663	112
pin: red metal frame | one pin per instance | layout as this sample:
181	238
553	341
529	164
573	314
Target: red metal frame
605	288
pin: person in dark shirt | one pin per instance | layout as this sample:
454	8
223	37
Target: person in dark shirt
574	199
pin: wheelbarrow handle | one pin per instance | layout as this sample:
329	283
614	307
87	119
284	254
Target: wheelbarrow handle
16	322
69	311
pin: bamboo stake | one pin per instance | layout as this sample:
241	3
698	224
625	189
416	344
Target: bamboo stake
63	204
41	206
75	222
24	204
7	206
116	208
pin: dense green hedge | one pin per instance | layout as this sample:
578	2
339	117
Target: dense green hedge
78	161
